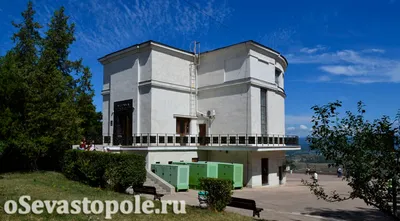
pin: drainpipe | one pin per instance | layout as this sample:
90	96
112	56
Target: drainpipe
196	89
109	120
247	100
196	81
109	128
247	164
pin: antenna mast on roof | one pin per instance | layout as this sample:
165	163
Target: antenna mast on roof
196	53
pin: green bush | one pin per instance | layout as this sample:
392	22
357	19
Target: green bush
70	168
105	170
125	171
219	192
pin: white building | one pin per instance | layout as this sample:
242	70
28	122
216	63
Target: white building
225	105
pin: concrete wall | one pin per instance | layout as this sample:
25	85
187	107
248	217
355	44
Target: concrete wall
251	161
241	157
173	69
238	110
123	79
275	159
237	105
145	60
262	67
142	114
223	65
154	107
120	82
255	108
164	156
106	115
203	155
275	113
231	106
165	103
144	110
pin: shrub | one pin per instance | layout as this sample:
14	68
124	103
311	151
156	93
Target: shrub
125	170
219	192
70	168
99	169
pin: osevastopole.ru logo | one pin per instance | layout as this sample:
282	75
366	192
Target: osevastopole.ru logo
25	205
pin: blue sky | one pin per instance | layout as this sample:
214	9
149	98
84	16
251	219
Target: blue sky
337	50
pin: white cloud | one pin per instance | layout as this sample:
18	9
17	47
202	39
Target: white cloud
353	66
374	50
298	130
297	124
345	70
291	128
303	127
312	50
105	26
324	78
297	119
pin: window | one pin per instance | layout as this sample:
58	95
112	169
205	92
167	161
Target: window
263	102
277	76
182	125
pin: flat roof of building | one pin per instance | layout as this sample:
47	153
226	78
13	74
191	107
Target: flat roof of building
189	52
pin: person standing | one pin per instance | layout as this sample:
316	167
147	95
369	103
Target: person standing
315	176
91	147
83	144
339	172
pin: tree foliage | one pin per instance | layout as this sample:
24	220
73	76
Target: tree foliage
43	94
366	150
219	192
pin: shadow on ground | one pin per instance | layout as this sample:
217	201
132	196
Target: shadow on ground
361	214
258	219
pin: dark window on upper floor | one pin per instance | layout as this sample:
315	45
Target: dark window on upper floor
277	76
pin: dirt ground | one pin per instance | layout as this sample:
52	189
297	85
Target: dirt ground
295	202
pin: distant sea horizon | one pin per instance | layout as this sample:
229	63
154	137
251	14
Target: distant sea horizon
305	148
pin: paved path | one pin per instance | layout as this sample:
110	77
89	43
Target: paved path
294	202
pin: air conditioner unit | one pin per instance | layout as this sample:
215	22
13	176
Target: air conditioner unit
211	113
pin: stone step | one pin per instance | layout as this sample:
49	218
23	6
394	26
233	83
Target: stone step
159	189
148	182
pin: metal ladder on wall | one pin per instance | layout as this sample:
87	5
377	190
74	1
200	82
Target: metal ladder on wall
193	76
192	86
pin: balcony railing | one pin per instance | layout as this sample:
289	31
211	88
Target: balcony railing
210	140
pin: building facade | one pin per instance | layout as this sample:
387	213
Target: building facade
225	105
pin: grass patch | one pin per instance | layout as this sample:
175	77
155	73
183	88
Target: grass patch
54	186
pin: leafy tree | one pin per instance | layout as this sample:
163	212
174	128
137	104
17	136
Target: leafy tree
45	98
95	128
16	71
85	107
365	149
27	38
